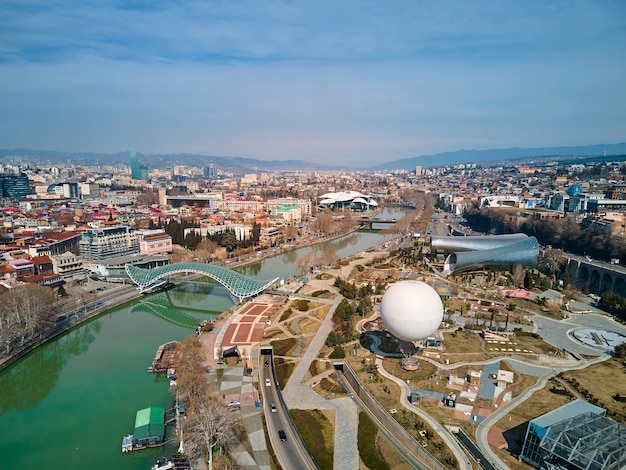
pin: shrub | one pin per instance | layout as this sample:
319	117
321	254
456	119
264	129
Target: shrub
366	439
286	314
338	353
301	304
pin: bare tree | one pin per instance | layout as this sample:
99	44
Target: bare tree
517	273
329	257
206	249
191	383
26	312
305	263
209	423
324	222
551	261
289	232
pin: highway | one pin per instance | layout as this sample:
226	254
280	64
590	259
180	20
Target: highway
291	452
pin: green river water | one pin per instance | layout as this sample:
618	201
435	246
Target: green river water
67	404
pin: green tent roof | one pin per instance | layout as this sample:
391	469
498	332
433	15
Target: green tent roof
150	422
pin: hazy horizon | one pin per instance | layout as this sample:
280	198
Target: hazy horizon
354	82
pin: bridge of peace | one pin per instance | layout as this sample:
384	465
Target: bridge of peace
241	332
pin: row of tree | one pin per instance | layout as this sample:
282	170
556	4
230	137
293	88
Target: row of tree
227	239
209	423
563	233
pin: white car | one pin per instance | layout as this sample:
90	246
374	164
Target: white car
273	408
268	383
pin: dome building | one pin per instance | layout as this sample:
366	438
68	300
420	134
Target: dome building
352	200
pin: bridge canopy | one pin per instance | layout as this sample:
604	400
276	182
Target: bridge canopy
239	286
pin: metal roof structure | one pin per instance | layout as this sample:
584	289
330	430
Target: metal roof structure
239	286
588	441
524	252
574	408
577	435
476	242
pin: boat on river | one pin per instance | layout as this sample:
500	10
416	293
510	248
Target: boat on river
149	430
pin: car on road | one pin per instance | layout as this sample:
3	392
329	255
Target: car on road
282	435
273	408
267	363
268	383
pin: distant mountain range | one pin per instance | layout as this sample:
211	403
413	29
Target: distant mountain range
498	155
243	164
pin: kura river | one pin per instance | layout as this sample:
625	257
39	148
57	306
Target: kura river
67	404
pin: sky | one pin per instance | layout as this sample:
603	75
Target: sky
351	82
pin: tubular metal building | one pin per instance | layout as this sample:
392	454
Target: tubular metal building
472	243
476	252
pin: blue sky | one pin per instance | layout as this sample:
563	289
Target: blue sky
355	81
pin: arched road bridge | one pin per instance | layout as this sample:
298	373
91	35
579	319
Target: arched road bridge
239	286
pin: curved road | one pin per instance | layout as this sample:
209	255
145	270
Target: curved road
449	440
291	453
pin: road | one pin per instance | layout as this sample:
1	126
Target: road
291	453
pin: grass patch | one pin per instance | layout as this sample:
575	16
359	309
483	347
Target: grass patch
322	312
309	325
367	435
283	369
286	314
391	455
319	293
460	344
534	342
599	383
338	353
317	432
284	347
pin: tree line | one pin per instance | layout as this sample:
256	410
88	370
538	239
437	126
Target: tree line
227	239
26	313
563	233
209	423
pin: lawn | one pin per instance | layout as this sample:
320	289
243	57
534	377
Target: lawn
284	347
284	369
317	431
601	382
463	346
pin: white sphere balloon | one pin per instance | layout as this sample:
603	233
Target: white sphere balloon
411	310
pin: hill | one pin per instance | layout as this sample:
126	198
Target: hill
499	155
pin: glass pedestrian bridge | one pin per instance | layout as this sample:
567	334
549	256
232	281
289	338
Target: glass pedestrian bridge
239	286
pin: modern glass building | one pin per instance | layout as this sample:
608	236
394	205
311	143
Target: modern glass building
14	186
575	436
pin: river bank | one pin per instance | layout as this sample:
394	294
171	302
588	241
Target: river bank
91	302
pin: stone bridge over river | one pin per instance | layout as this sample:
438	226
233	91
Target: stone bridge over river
596	276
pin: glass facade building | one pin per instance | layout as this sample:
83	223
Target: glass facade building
575	436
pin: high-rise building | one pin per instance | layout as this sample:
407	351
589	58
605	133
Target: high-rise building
14	185
135	168
418	170
210	171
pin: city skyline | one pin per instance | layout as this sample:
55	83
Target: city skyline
360	83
